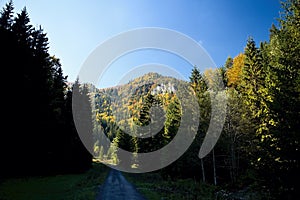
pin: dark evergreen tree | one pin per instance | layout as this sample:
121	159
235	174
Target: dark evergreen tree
6	18
228	63
283	82
195	75
22	29
39	141
200	88
173	117
82	114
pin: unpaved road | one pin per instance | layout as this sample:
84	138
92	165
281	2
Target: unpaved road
116	187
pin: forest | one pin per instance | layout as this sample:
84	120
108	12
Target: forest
45	140
258	150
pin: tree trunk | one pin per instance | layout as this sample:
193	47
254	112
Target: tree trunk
233	163
203	172
214	166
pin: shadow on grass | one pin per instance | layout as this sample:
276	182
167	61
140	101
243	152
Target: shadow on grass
71	186
154	187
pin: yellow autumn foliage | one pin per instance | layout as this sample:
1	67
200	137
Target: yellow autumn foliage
234	73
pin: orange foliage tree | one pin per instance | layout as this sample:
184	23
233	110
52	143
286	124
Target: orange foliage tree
234	73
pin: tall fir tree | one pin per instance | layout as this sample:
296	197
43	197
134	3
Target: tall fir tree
40	139
284	83
6	18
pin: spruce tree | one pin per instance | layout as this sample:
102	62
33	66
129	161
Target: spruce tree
6	18
41	137
284	83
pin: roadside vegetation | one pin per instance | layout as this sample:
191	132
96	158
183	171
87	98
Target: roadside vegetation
68	186
154	186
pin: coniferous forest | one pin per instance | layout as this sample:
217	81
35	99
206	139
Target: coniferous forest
257	152
43	140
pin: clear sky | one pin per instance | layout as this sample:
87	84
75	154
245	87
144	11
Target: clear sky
76	28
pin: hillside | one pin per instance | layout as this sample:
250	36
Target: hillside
125	110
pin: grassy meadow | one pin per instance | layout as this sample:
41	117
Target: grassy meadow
71	186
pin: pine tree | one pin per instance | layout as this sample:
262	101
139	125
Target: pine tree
200	88
6	18
197	81
173	117
82	139
41	138
228	63
125	142
283	81
22	28
195	76
252	82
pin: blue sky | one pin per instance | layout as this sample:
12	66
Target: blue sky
76	28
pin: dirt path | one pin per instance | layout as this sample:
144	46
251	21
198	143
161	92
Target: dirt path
116	187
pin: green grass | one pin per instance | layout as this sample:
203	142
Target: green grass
72	186
154	187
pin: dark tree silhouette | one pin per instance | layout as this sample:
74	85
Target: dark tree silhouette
39	138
